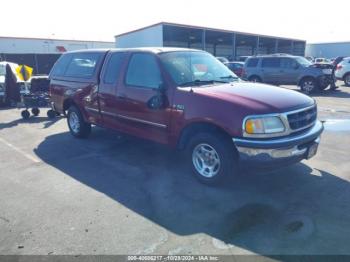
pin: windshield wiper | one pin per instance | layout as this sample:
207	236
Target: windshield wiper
198	82
229	77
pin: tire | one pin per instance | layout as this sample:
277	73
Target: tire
51	114
35	111
255	79
308	85
222	162
347	79
77	126
25	114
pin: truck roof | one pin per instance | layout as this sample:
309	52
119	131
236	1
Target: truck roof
155	50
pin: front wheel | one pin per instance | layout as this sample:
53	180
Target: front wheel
212	157
77	126
308	85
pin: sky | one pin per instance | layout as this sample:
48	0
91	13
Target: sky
100	20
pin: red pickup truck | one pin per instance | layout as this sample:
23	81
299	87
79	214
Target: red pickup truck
189	100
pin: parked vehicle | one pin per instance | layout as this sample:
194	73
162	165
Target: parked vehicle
23	86
282	69
242	58
321	60
236	67
310	58
188	100
222	59
342	71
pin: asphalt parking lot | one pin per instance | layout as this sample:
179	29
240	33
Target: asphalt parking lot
111	194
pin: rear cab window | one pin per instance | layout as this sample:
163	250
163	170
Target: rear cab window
61	65
77	65
83	65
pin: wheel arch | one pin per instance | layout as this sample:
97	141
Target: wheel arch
305	77
67	103
196	127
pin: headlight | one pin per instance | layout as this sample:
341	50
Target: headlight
264	125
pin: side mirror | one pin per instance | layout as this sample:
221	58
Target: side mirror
159	100
296	66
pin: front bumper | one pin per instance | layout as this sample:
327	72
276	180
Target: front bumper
277	152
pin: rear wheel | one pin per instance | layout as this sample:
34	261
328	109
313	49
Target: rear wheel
51	114
212	157
255	79
347	79
25	114
35	111
77	126
308	85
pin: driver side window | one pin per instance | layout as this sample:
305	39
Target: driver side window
143	71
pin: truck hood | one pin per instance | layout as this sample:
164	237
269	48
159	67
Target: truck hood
260	98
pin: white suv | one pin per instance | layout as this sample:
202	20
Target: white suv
343	71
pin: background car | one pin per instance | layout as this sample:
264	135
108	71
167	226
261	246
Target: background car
342	71
321	60
282	69
236	67
310	58
222	59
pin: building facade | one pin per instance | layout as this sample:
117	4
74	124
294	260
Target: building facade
328	50
230	44
22	45
41	53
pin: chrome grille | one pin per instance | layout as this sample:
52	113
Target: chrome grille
302	119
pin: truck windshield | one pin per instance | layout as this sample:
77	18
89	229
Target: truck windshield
196	68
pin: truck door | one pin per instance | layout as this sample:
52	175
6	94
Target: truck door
110	82
142	84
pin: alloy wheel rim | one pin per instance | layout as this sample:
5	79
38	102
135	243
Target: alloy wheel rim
74	122
308	86
206	160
